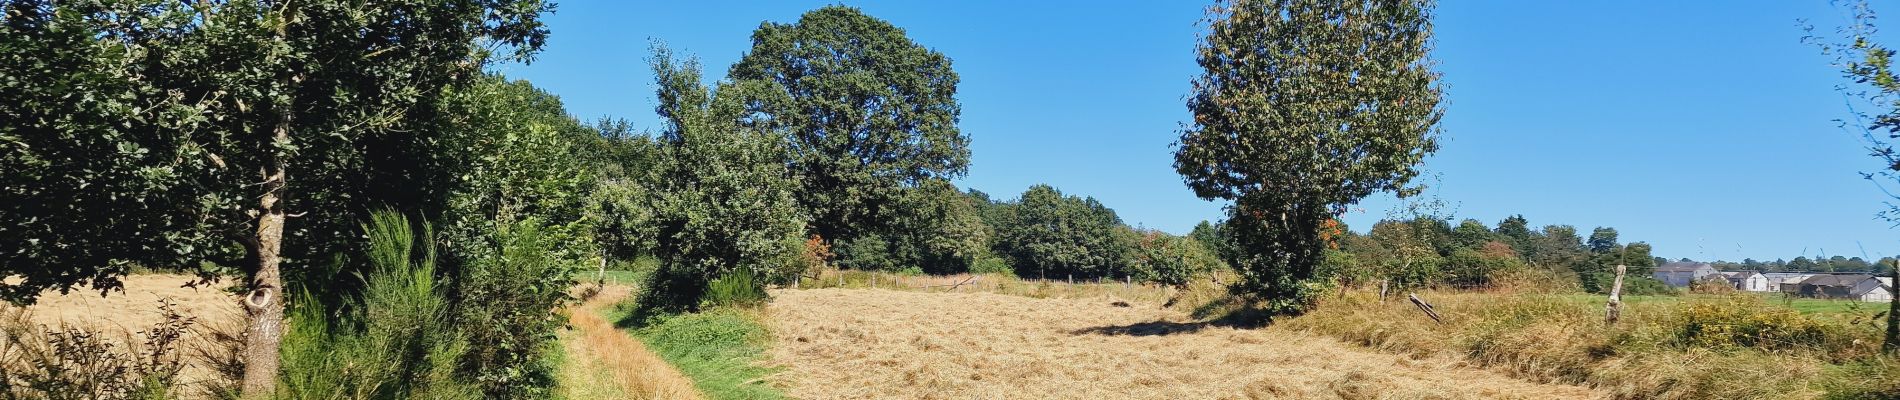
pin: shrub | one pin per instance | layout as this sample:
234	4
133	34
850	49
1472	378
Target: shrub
990	263
509	299
1750	322
395	341
74	363
737	288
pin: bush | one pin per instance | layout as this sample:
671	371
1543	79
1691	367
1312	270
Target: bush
73	363
990	263
738	288
509	301
395	341
1747	321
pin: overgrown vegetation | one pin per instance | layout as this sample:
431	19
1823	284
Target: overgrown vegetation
40	362
1706	346
396	340
720	349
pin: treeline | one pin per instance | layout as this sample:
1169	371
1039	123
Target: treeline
1430	251
1803	264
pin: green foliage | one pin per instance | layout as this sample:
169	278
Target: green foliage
395	341
721	198
1051	235
720	350
1170	260
130	144
989	263
508	299
1472	267
866	114
738	288
1303	109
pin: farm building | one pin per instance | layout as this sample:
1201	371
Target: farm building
1750	281
1786	281
1681	273
1845	286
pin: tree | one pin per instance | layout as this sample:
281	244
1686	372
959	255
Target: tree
203	111
1516	231
722	202
1602	240
1058	235
1471	234
1303	109
866	113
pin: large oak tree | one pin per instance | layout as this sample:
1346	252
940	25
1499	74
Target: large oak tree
867	113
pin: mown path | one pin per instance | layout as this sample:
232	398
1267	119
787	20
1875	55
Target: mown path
603	362
881	344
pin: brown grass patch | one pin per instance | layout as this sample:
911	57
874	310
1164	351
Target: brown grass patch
605	362
117	316
855	344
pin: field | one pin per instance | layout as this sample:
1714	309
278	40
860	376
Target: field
121	315
876	343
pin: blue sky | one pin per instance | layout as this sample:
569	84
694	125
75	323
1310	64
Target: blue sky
1705	128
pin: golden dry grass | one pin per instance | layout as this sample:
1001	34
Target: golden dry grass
858	344
120	315
604	362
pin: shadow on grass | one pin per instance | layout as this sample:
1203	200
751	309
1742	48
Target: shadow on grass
1244	318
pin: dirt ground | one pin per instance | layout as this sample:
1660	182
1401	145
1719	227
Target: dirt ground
872	343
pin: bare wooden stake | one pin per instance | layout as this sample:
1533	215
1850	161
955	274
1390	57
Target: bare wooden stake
1614	310
1426	307
1382	290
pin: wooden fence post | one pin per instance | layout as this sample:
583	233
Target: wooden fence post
1614	310
1426	307
1382	289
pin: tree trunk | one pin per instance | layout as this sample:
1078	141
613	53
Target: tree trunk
265	302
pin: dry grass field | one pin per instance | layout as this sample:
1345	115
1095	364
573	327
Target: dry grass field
121	315
884	344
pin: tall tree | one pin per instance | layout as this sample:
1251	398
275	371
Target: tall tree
722	203
1057	235
1602	240
1304	108
205	111
867	113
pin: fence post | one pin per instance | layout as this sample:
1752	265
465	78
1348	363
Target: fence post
1614	310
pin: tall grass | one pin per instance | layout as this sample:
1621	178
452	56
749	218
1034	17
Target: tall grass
720	349
1730	346
38	362
395	341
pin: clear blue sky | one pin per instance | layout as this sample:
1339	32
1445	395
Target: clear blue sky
1704	129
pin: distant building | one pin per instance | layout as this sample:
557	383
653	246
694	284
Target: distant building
1750	281
1861	287
1681	273
1786	281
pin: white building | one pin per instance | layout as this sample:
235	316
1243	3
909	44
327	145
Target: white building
1749	281
1786	281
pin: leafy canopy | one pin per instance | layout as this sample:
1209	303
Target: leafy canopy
1303	108
865	111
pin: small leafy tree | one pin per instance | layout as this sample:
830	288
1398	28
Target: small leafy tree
1303	108
722	201
866	114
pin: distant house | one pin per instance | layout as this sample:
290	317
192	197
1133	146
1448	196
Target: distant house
1861	287
1681	273
1786	281
1747	280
